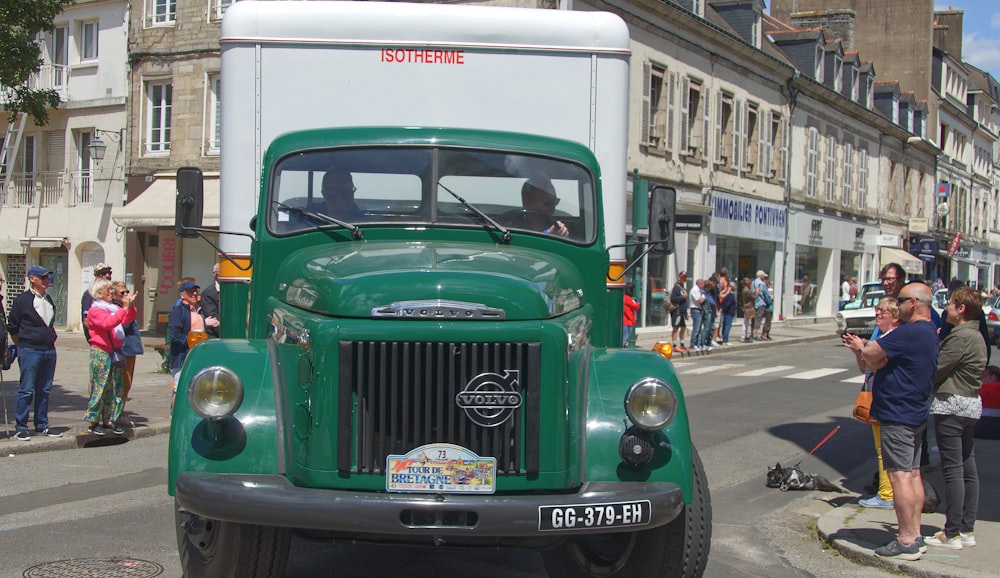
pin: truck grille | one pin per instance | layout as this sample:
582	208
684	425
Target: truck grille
403	395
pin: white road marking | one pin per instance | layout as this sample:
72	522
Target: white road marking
816	373
855	379
710	368
765	371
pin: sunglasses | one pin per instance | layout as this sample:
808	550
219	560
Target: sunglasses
901	300
124	292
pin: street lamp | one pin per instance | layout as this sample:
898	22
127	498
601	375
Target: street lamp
97	147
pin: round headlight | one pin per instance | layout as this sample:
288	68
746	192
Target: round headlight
651	404
215	392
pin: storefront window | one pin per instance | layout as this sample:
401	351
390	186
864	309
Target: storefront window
850	268
805	290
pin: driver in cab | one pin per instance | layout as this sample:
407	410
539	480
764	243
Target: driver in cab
538	197
338	193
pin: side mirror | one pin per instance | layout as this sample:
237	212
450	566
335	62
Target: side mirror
190	202
662	213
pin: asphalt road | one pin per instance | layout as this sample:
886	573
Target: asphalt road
748	409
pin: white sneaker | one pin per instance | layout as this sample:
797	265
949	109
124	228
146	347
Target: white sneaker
968	539
939	540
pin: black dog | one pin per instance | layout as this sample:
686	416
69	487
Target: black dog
794	478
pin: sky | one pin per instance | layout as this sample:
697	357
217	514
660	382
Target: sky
980	32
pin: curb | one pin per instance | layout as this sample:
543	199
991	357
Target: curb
835	529
82	440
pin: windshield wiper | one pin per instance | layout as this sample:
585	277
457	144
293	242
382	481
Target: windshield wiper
505	237
322	218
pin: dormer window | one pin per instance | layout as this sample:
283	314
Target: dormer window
819	73
838	73
855	83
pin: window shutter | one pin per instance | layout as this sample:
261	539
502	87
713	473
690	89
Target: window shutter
831	166
671	105
811	162
848	182
684	140
862	177
645	112
763	136
717	158
783	157
706	129
737	133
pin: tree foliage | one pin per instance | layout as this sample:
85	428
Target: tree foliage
21	22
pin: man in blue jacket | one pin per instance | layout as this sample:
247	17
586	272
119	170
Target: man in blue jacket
30	325
184	316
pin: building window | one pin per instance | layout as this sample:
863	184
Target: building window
59	55
752	138
855	83
219	7
695	119
820	70
812	160
779	128
724	128
88	40
653	105
158	118
84	193
838	73
214	116
831	167
162	12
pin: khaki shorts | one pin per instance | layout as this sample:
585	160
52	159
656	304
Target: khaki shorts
901	446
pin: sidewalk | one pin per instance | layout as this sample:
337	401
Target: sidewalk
148	405
852	530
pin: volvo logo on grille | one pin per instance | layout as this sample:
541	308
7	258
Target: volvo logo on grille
489	399
439	309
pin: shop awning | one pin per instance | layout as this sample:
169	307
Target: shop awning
910	263
43	242
155	206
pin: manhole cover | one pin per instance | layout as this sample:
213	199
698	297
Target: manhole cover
96	568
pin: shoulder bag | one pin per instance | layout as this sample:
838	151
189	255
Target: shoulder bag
863	403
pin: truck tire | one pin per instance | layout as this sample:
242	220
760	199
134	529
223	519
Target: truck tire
676	550
214	549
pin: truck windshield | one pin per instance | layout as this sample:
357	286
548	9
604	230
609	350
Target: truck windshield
394	186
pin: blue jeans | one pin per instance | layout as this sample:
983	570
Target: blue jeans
38	367
696	326
727	324
708	328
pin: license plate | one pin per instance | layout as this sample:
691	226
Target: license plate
594	516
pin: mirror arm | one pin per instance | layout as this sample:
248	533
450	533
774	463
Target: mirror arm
650	246
225	255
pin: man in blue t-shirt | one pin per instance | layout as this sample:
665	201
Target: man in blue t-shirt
905	360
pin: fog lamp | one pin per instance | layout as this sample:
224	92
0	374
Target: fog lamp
636	447
215	392
651	403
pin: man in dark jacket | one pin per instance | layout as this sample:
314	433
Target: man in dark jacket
30	325
185	316
678	311
210	303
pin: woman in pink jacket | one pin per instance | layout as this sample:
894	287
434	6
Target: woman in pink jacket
105	320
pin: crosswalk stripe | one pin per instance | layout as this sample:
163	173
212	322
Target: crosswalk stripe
765	371
816	373
710	368
855	379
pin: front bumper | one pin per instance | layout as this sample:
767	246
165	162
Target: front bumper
271	500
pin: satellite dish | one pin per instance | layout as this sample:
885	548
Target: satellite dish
942	209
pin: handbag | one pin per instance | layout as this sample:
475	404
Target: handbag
118	358
863	406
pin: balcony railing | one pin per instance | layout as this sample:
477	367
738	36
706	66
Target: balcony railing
54	76
48	189
83	188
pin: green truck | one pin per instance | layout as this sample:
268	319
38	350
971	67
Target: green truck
422	223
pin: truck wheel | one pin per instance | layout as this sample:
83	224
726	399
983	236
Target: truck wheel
676	550
214	549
